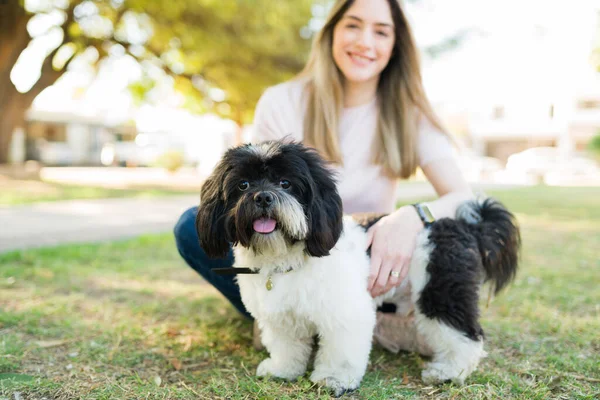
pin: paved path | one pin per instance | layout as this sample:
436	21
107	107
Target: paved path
79	221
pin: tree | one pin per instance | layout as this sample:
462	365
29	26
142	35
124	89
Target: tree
13	40
222	54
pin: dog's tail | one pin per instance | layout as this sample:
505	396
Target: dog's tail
498	237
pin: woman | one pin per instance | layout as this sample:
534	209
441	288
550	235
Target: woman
360	102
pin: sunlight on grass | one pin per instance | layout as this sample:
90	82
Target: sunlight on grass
164	289
130	320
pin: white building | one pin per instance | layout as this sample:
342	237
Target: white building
522	76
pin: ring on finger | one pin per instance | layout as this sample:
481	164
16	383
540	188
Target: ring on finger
395	274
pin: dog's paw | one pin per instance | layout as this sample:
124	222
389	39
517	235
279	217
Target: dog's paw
436	373
338	385
268	367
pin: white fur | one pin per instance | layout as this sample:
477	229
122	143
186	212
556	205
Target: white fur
291	215
328	297
264	150
321	296
455	356
273	244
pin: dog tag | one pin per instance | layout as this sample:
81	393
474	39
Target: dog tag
269	284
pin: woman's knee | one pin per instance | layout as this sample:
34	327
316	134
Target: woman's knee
188	244
185	229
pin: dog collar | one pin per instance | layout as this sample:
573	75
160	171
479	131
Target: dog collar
235	271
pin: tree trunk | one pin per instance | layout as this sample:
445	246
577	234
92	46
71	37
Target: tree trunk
13	105
13	116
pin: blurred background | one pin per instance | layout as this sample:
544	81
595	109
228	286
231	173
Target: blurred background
113	111
115	92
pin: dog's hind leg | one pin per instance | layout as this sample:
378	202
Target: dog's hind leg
445	281
289	354
455	356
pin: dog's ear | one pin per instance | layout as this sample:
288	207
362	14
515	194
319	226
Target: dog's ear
324	211
210	221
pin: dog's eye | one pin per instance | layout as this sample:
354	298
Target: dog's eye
285	184
244	185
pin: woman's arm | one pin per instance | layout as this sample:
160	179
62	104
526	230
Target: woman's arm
450	185
393	237
438	161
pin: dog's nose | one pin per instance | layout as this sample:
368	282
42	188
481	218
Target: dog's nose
263	199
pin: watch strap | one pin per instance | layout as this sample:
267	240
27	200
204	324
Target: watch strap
424	213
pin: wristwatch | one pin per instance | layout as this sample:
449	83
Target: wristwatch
424	213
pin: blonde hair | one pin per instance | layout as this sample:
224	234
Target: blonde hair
401	98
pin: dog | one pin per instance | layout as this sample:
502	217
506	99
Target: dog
277	204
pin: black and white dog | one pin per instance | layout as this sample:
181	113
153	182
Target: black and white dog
277	203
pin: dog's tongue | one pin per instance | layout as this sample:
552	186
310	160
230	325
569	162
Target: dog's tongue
264	225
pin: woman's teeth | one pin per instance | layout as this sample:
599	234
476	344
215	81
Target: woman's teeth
359	58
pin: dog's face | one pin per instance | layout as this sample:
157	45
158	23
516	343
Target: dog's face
268	197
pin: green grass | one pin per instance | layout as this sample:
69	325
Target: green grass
28	192
128	320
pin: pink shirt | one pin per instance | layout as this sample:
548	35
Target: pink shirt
362	185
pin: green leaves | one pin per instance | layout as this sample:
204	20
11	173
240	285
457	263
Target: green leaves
237	46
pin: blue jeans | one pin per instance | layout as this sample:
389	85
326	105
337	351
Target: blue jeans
188	245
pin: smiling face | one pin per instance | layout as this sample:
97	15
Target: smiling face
363	41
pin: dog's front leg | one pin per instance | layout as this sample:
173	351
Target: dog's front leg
344	352
289	353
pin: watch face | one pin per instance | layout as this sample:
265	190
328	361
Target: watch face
427	213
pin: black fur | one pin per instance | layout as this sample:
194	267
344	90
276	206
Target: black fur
320	198
464	256
211	218
499	242
455	274
226	213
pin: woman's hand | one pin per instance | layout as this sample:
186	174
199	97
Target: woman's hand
392	240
